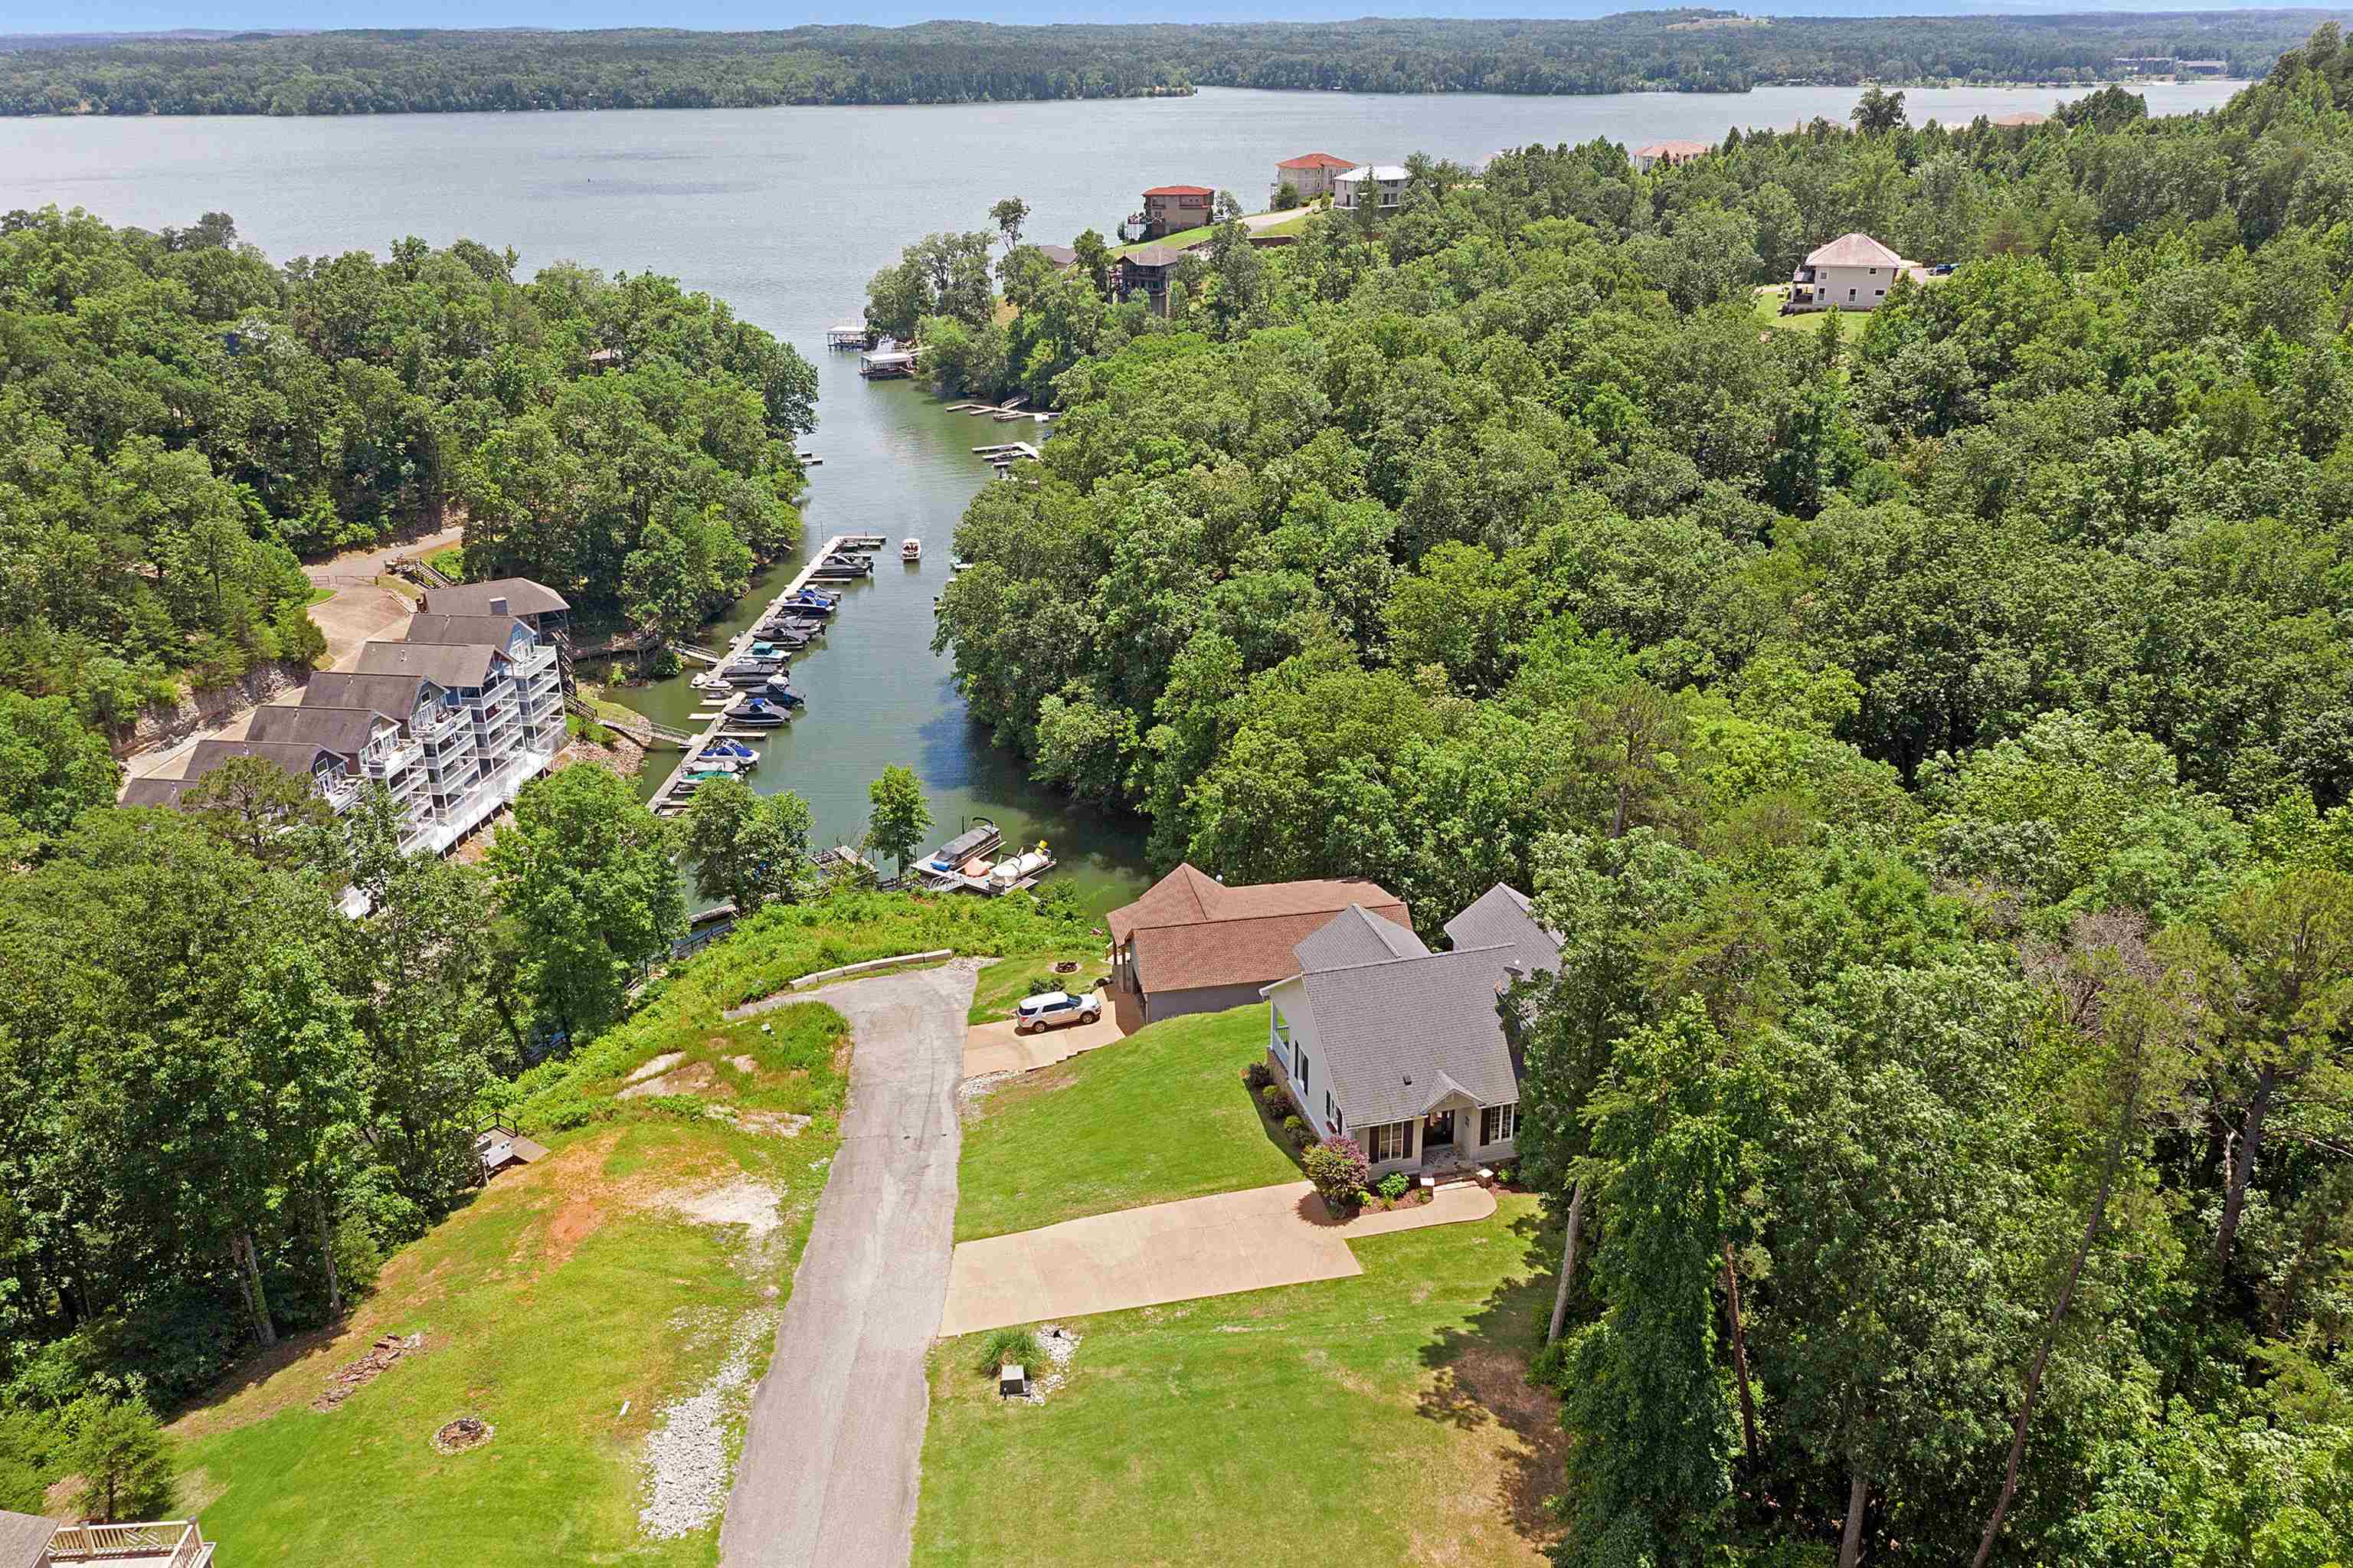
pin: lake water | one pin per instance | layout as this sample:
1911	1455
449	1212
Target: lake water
786	213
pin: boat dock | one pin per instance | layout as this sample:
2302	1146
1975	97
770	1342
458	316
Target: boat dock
718	726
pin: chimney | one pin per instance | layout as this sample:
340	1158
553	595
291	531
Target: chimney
498	607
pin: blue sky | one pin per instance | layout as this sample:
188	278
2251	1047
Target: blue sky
107	15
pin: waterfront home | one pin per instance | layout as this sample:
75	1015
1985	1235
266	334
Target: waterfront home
1377	1038
334	777
538	607
1147	271
1670	152
1379	186
373	745
1854	273
2024	117
1171	209
1309	177
1191	944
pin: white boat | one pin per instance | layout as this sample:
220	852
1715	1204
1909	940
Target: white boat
913	550
1008	875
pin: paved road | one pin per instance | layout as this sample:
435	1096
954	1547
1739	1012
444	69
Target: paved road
836	1438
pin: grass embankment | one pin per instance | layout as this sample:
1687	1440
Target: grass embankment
565	1289
1162	1115
1383	1419
1185	236
1003	985
449	561
1769	315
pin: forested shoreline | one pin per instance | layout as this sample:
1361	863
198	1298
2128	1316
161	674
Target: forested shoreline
1930	742
180	420
1686	50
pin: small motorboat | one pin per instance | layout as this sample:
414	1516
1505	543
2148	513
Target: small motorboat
752	672
792	635
809	601
833	569
732	749
758	713
782	693
705	763
959	566
1007	873
913	550
863	541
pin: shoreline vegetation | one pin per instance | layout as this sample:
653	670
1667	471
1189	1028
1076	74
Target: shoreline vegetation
1686	50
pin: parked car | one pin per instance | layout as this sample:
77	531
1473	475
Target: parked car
1054	1009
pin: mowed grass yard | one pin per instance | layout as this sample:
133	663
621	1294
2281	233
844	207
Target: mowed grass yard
1004	983
1384	1420
1160	1116
561	1292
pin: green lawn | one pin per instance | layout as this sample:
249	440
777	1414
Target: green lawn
1003	984
1768	313
1160	1116
1381	1420
1185	236
449	561
559	1293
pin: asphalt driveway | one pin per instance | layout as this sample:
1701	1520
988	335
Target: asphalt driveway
835	1441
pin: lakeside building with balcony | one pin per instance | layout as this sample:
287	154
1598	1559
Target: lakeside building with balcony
1379	186
452	721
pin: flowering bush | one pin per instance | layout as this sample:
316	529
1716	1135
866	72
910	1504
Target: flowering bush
1337	1168
1393	1185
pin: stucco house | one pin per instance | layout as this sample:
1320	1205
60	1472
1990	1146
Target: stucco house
1402	1049
1854	273
1310	174
1379	185
1191	944
1171	210
1670	152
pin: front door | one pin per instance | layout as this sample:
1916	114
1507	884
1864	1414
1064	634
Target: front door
1437	1131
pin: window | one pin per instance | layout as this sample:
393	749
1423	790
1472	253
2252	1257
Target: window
1391	1140
1331	1114
1303	1066
1498	1123
1849	294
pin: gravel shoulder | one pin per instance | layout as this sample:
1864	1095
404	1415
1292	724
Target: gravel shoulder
834	1446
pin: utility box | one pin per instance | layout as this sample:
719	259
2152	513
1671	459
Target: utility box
1012	1382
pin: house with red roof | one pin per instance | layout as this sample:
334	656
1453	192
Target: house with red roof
1308	176
1191	944
1169	209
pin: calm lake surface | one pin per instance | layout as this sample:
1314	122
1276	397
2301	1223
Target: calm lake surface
785	213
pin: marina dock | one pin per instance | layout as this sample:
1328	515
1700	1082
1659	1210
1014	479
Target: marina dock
717	726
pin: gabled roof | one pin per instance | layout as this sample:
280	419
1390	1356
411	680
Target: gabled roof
1154	256
1500	917
466	665
1854	251
1352	937
344	731
460	630
1397	1036
1180	190
1189	930
394	694
524	597
1673	149
1060	255
2024	117
1315	160
24	1538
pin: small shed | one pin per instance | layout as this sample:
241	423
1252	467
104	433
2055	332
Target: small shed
500	1148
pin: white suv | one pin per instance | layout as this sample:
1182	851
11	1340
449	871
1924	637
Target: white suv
1055	1008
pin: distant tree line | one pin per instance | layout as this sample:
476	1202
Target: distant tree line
1692	50
179	418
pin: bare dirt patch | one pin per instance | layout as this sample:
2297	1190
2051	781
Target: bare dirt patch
772	1124
742	1202
683	1080
353	1376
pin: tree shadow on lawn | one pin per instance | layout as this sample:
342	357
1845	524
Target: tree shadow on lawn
1481	1377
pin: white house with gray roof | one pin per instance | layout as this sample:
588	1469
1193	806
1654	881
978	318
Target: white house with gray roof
1381	1039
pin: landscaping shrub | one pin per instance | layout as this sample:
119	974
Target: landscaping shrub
1298	1131
1337	1168
1257	1076
1019	1346
1274	1098
1393	1185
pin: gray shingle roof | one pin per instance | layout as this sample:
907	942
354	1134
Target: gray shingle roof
458	665
1399	1034
395	694
24	1537
344	731
464	630
1500	917
524	597
1352	937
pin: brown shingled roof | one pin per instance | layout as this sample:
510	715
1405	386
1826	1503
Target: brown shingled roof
1190	930
524	597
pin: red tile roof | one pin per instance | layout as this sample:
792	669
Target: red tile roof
1190	930
1315	160
1180	190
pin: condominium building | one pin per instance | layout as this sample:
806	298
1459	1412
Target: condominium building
452	721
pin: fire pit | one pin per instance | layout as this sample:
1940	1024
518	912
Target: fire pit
466	1432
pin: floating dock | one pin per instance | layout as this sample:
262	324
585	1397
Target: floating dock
666	801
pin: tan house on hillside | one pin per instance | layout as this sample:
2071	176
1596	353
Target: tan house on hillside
1191	944
1668	153
1854	273
1310	176
1171	210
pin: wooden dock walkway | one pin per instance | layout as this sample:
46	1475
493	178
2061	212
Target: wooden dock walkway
717	727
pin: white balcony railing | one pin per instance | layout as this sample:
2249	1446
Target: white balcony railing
170	1543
